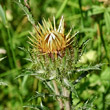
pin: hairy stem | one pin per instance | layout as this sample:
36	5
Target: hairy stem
66	93
57	93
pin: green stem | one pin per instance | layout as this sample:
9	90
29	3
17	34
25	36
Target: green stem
99	42
8	51
80	6
11	47
66	93
103	42
59	13
39	90
58	93
71	99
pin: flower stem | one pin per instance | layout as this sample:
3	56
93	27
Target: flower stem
57	93
66	93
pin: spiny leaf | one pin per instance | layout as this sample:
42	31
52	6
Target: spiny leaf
30	72
26	11
80	77
36	107
48	85
37	95
32	107
43	95
96	67
70	86
23	49
86	72
89	103
82	48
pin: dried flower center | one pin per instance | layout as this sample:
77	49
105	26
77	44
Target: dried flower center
49	39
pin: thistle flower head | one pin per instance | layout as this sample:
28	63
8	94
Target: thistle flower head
51	40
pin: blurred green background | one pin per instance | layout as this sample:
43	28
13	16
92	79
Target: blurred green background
90	17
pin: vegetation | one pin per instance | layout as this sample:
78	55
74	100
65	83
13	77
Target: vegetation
78	79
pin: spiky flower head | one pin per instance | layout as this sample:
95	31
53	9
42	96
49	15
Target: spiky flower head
51	40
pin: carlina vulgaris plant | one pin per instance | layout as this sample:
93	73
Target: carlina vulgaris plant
51	44
55	60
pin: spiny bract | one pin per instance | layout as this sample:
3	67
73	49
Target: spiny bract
49	39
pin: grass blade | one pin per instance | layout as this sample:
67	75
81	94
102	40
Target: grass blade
61	9
2	15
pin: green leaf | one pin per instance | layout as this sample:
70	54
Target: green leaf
2	15
107	20
96	10
61	9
